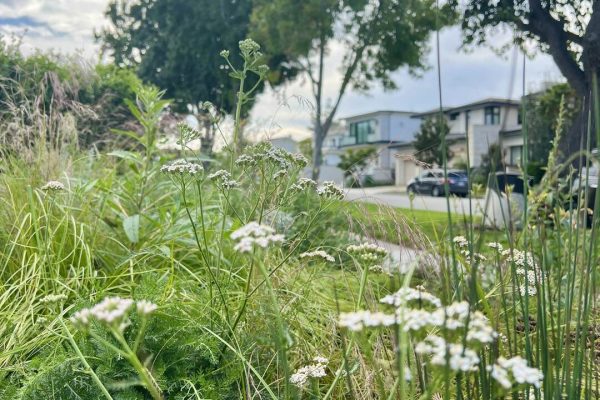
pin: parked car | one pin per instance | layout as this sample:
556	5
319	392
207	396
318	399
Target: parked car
432	182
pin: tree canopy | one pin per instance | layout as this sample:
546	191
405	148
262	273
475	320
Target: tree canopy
567	30
428	141
175	44
378	37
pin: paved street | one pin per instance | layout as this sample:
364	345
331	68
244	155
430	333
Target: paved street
391	196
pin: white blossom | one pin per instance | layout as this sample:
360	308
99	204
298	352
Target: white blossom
460	241
53	186
223	179
404	295
517	369
303	184
144	307
253	234
301	377
182	167
356	321
330	191
318	253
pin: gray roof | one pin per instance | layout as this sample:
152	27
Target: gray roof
491	101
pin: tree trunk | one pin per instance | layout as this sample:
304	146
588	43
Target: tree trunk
318	138
208	139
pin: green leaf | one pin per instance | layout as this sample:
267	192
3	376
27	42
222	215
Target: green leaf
131	225
127	155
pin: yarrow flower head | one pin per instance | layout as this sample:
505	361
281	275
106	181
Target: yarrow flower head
303	184
356	321
301	377
515	371
53	186
318	254
404	295
497	246
460	241
112	311
144	307
330	191
255	234
182	167
455	355
369	252
223	179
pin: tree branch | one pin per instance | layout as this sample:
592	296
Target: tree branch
552	32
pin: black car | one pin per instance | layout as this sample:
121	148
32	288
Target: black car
432	182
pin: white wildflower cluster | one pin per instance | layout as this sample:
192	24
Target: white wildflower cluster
515	370
53	186
456	319
404	295
330	191
182	167
53	298
280	174
379	269
112	311
496	246
245	160
318	254
303	184
223	179
356	321
458	357
460	241
475	257
527	268
367	251
254	233
265	153
302	376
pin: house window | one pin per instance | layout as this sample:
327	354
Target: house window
454	116
492	115
515	154
361	130
467	120
520	117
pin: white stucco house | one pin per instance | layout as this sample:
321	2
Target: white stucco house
473	128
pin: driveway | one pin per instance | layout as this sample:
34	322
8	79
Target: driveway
391	196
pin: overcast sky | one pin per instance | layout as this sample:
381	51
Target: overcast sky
67	26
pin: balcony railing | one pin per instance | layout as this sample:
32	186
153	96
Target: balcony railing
351	140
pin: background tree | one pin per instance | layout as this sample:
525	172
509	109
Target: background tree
352	162
567	30
378	37
428	141
175	44
543	109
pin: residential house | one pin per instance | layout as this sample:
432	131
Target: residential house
473	128
379	129
332	146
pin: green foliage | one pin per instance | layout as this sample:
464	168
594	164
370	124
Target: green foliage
541	120
353	161
491	162
428	141
175	45
377	38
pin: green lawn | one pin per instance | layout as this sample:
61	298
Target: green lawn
409	226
